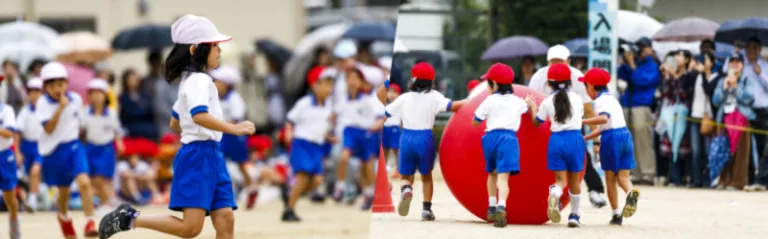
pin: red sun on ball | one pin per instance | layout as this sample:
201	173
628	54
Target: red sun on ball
463	165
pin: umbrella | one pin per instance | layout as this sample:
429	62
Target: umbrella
24	53
399	46
631	26
84	47
371	31
25	41
78	78
723	50
143	36
296	68
741	29
275	52
687	30
664	47
579	47
515	46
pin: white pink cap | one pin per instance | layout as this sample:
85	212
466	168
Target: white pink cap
192	29
372	75
98	84
227	74
558	52
385	62
53	70
35	83
329	72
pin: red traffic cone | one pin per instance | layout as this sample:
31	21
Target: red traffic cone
382	201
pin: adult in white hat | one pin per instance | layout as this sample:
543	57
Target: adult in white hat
201	184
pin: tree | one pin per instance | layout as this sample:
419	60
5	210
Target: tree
552	21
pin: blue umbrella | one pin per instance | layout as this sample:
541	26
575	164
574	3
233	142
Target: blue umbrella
371	31
275	52
723	50
579	47
515	46
143	36
739	30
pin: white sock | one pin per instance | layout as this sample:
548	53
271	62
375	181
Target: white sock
617	211
370	191
575	202
339	185
32	200
65	218
556	190
491	201
320	191
88	218
502	203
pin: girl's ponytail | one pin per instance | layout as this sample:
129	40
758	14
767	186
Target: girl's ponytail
562	104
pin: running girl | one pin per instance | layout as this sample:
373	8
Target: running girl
418	109
26	140
102	137
502	110
566	148
201	185
64	157
8	164
617	152
390	138
309	125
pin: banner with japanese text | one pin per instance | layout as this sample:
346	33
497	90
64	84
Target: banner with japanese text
603	43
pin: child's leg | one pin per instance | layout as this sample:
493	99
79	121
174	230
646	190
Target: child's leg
633	195
491	185
224	223
503	187
128	185
369	178
62	202
396	151
99	189
189	227
610	183
426	180
341	173
9	197
317	181
147	180
560	182
302	183
574	183
624	181
247	182
34	185
86	196
555	192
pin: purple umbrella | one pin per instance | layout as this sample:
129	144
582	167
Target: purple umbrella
515	46
687	29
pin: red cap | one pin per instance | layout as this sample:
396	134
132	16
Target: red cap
472	84
314	74
396	88
597	77
2	77
423	71
559	72
500	73
169	138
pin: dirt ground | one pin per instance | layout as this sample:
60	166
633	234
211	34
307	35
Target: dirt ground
319	222
662	213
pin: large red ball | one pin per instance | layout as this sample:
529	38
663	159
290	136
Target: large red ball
463	165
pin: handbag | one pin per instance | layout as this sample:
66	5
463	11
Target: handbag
708	126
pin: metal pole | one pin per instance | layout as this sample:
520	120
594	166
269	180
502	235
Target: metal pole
639	7
29	10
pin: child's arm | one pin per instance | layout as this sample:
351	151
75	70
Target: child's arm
456	105
209	122
533	108
50	126
594	133
17	146
119	143
288	132
597	120
481	113
175	126
378	125
381	93
6	133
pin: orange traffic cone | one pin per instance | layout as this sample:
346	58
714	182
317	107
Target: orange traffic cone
382	201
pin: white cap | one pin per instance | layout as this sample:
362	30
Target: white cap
98	84
345	49
558	52
386	62
372	75
192	29
53	70
35	83
227	74
329	72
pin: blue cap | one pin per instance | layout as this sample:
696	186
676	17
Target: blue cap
736	56
345	49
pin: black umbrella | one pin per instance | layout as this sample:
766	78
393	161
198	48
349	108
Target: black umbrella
143	36
739	30
274	52
371	31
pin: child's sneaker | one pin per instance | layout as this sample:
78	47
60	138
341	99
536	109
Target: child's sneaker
290	216
553	208
119	220
338	195
500	217
90	229
427	215
631	203
616	220
596	200
405	203
367	203
573	220
15	232
317	197
251	200
66	227
491	216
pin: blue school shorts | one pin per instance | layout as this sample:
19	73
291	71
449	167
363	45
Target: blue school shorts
502	152
8	178
390	138
67	161
31	154
417	151
617	150
327	149
101	159
566	151
306	157
357	141
200	178
373	147
234	148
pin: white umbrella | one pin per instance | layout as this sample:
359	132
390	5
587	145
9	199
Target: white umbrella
399	46
24	53
662	48
31	33
297	66
632	26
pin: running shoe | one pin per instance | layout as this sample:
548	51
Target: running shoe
290	216
596	200
491	216
500	217
15	232
631	204
616	220
90	229
116	221
427	215
553	208
367	203
573	220
251	201
67	228
317	198
405	203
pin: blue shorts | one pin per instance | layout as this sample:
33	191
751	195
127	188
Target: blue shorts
306	157
200	178
617	151
566	151
374	145
234	148
502	152
8	179
67	161
390	138
327	149
361	143
101	159
30	153
417	151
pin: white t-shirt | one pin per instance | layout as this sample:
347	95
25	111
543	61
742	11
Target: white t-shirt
501	111
29	127
233	107
311	122
417	110
100	129
608	105
197	94
8	121
547	110
539	83
393	121
360	112
68	127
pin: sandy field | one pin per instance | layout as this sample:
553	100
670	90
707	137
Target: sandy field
319	222
662	213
